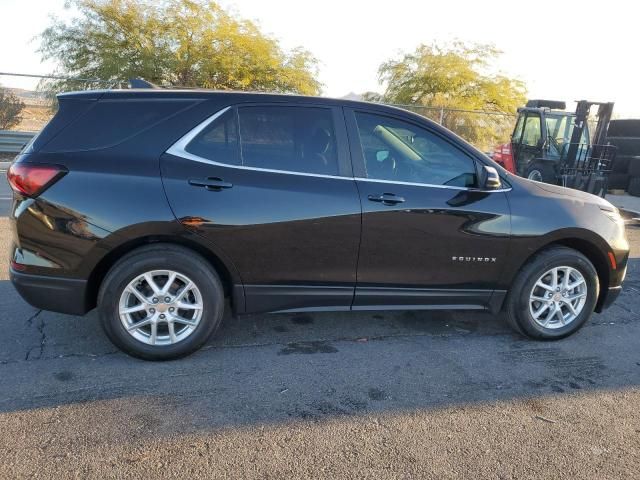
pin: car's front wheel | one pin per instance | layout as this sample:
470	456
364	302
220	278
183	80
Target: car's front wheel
161	302
554	294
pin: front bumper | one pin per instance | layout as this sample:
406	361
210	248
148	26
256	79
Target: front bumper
608	297
58	294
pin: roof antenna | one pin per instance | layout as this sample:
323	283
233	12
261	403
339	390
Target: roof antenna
141	83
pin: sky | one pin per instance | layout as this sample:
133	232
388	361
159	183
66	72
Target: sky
561	49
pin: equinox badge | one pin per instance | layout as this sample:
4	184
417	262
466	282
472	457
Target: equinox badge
474	259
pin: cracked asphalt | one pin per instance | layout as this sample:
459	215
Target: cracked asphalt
333	395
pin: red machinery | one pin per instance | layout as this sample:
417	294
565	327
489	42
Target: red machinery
503	155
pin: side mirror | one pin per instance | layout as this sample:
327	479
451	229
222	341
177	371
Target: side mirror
491	179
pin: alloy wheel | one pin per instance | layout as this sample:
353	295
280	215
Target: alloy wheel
160	307
558	297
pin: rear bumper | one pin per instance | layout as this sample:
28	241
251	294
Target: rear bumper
64	295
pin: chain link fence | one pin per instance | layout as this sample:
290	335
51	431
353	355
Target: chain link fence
483	129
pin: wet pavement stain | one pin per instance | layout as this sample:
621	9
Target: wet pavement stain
376	394
307	348
302	319
64	376
436	322
280	329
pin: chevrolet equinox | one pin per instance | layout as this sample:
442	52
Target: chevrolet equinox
155	205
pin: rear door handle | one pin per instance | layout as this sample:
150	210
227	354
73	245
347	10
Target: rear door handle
210	183
386	198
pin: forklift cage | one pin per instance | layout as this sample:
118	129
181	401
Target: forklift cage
587	167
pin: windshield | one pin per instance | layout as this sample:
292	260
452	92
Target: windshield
559	131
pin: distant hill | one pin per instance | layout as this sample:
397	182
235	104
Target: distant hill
352	96
29	97
36	112
370	96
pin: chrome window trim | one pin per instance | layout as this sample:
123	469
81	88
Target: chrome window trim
181	145
417	184
179	149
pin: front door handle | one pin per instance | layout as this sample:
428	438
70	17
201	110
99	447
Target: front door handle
210	183
386	198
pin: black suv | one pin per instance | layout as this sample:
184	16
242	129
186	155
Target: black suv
155	205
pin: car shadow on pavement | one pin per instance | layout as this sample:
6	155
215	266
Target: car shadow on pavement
279	368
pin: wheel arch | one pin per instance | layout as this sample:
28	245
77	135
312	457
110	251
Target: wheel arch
590	249
228	275
596	256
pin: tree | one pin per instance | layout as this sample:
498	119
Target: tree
10	109
449	79
190	43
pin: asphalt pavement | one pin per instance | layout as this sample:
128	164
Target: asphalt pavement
332	395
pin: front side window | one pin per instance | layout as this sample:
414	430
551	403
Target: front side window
294	139
532	131
400	151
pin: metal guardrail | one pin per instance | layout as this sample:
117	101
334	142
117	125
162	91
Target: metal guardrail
13	141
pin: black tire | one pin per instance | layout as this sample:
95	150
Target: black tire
634	187
621	165
626	145
624	128
618	181
517	303
541	172
634	166
159	257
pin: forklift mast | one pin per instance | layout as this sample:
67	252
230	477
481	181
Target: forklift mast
605	110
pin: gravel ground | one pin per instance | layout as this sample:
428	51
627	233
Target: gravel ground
337	395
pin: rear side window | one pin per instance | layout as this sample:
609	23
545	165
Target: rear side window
218	141
296	139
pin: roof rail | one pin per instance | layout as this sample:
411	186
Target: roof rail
141	83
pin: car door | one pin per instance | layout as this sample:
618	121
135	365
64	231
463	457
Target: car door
527	146
271	187
430	236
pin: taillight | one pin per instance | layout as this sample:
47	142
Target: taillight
31	179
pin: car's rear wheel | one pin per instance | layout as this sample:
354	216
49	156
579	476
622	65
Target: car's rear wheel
554	294
161	302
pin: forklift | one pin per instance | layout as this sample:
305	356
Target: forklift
554	146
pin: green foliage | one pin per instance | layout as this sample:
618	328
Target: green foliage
190	43
10	109
454	77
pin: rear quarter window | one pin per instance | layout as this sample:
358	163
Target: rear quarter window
111	122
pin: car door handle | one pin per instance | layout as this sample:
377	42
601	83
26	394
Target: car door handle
211	183
386	198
